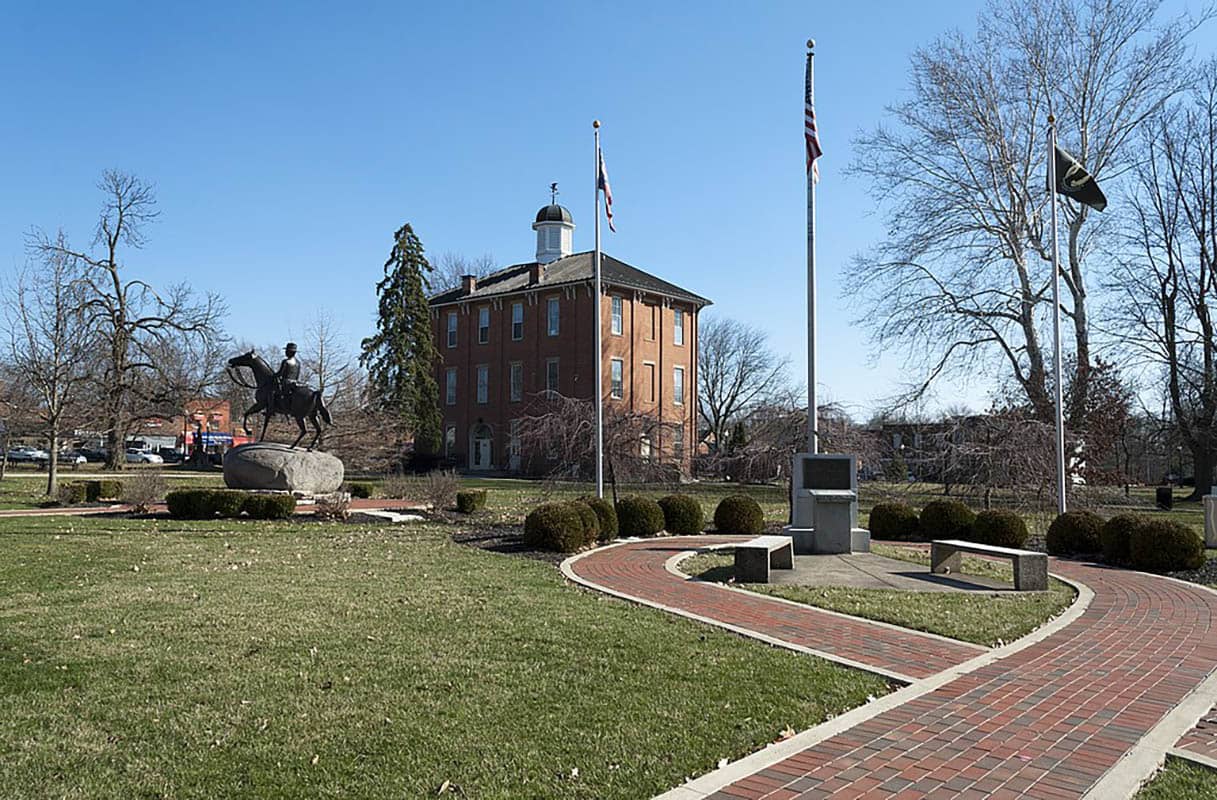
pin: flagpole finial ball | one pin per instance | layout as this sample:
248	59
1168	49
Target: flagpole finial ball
811	44
595	123
1051	119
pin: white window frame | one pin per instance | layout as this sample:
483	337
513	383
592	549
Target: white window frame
484	330
678	327
553	316
450	386
483	384
517	334
451	329
554	365
678	443
449	440
616	378
678	385
617	304
515	372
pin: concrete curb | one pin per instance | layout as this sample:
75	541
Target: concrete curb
1195	758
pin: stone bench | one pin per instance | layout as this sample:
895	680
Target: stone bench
754	558
1030	568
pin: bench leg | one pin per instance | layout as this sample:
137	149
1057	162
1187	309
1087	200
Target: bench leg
945	559
752	566
1030	574
783	558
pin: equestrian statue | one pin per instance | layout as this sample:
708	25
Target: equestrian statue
280	393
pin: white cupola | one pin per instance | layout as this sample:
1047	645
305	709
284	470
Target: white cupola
555	232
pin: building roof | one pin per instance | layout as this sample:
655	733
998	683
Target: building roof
575	268
554	213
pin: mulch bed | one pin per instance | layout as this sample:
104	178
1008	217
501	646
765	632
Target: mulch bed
508	539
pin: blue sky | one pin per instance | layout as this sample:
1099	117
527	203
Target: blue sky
288	141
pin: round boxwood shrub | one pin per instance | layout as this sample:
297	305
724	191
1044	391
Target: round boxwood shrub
999	528
607	515
1116	535
1164	545
470	500
894	521
555	526
361	489
639	516
269	506
945	519
189	504
739	513
72	494
682	515
1075	532
591	522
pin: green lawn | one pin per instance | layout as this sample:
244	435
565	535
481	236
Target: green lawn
982	618
221	659
1181	780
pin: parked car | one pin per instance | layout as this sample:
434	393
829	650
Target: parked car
28	455
143	457
94	456
170	455
72	457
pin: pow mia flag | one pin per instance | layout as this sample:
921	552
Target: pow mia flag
1074	182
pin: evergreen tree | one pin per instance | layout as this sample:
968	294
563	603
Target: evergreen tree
738	439
401	356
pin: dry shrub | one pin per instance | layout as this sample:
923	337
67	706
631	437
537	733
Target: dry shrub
401	487
143	488
336	506
440	488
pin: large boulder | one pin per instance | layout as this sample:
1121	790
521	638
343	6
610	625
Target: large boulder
267	465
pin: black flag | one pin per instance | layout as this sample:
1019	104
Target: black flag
1073	181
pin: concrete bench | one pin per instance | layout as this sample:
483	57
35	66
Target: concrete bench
1030	568
754	558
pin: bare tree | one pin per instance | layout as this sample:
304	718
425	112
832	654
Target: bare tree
737	371
960	281
49	342
136	324
450	267
1166	310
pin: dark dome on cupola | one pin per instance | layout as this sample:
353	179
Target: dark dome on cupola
553	213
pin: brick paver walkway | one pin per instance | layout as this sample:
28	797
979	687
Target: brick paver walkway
1046	722
1202	739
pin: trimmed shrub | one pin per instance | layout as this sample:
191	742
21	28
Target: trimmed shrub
682	515
945	519
639	516
1075	532
227	502
72	494
591	522
555	526
607	515
999	528
189	504
1116	536
109	489
269	506
739	513
1164	545
894	521
470	500
361	489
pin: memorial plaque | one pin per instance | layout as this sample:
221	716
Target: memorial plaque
828	472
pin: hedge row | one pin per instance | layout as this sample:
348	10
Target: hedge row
568	527
228	503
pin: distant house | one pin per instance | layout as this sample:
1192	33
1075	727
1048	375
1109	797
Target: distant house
530	328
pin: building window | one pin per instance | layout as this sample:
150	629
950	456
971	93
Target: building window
450	386
449	440
648	372
551	314
452	329
483	325
678	443
551	374
483	383
517	321
517	381
678	385
616	378
678	332
617	326
513	444
644	447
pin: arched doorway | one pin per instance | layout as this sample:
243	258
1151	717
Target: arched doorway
481	444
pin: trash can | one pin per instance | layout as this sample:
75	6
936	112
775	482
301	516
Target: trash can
1164	498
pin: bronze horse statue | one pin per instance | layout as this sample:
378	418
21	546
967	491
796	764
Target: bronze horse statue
304	402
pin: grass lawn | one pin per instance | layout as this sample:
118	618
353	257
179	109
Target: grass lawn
156	659
1181	780
982	618
22	489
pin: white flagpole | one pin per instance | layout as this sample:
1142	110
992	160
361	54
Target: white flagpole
813	437
598	346
1056	322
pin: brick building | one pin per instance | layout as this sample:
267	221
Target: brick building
529	328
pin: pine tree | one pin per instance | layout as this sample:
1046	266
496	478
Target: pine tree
401	356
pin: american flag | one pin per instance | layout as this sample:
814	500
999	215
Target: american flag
810	134
602	183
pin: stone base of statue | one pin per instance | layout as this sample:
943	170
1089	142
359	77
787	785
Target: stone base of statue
824	506
268	465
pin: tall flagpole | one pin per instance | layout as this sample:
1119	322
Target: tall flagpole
598	346
813	422
1056	322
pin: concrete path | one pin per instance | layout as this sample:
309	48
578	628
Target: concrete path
1086	710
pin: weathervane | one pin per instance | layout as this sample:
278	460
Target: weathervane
553	193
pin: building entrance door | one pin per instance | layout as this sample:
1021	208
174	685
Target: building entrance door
482	446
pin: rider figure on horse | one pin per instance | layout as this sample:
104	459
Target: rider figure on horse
288	376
